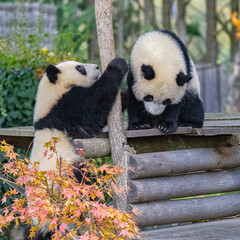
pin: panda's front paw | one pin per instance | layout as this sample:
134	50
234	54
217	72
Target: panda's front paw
120	64
167	127
138	126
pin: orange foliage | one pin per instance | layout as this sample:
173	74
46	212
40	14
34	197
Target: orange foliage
236	22
56	199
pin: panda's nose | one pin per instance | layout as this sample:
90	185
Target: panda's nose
148	98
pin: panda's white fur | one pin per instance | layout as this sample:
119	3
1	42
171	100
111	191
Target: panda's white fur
48	94
160	51
64	148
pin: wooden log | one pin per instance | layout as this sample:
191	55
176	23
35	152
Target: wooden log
155	189
94	147
165	212
213	230
182	161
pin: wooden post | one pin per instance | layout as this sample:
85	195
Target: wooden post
103	14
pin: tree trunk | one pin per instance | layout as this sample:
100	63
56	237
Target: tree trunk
149	14
92	42
234	41
120	27
211	39
120	157
166	13
181	24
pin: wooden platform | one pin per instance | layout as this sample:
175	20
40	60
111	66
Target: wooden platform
218	230
149	140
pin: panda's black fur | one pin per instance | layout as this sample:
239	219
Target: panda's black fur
80	112
188	111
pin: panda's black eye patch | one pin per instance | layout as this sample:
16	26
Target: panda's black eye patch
166	102
81	69
148	72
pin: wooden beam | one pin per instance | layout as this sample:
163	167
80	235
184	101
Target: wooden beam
165	212
214	230
94	147
155	189
182	161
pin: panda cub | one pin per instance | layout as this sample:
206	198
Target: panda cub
73	101
163	86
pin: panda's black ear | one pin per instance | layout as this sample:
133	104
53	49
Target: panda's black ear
148	72
52	72
183	78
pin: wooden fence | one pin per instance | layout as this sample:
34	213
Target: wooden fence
14	15
214	86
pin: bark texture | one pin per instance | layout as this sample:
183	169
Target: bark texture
120	27
103	14
149	14
211	41
181	23
166	13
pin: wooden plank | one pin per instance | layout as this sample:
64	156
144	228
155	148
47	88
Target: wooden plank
227	229
215	131
222	123
17	131
165	212
155	132
182	161
221	116
162	188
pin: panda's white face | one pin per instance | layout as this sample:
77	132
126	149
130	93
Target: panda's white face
78	74
156	62
58	80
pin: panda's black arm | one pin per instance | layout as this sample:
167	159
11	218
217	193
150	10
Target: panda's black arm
112	76
138	118
103	93
93	104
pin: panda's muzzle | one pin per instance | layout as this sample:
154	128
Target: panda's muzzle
148	98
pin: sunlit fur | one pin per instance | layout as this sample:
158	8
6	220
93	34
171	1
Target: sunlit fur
158	50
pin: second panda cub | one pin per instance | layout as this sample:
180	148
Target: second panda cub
163	86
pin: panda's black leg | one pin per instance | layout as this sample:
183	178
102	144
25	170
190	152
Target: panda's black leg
167	122
192	112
